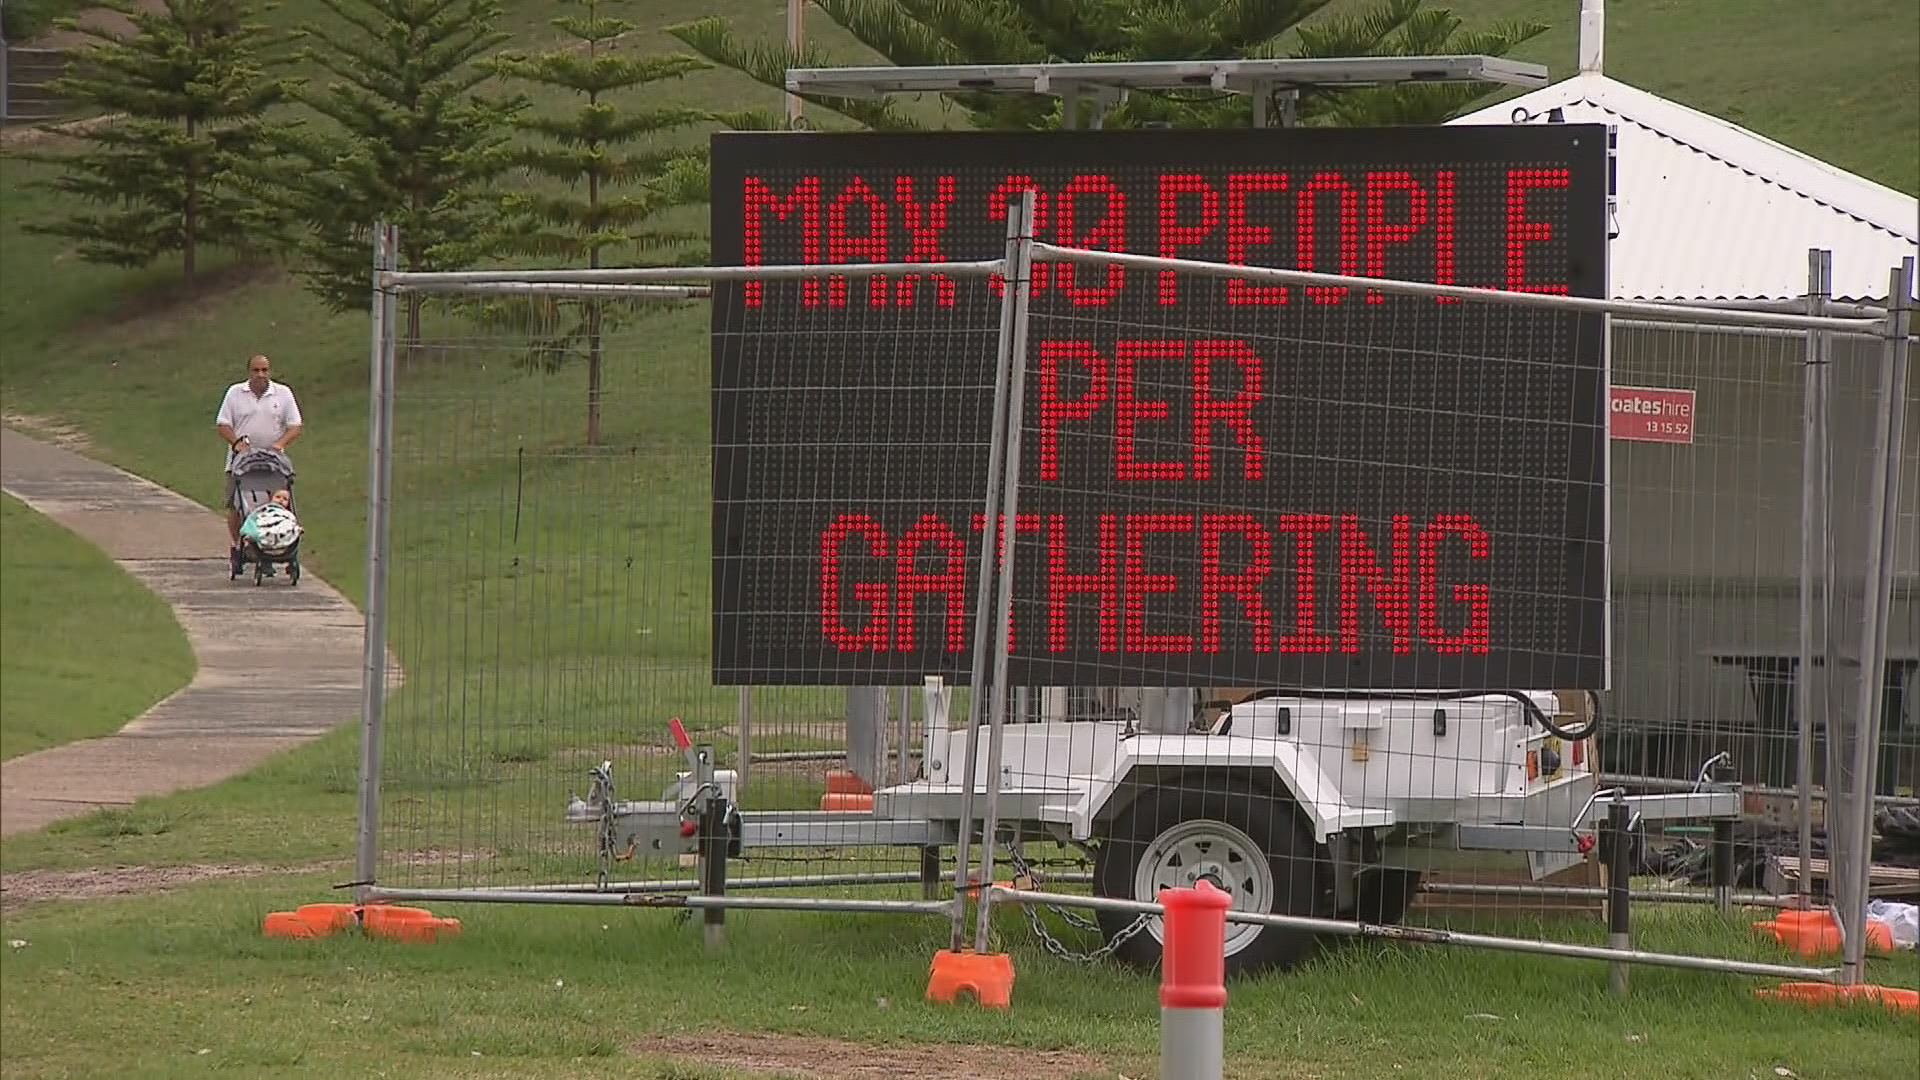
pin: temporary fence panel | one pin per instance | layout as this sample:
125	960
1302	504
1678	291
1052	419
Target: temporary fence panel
1707	549
1383	506
1333	590
561	451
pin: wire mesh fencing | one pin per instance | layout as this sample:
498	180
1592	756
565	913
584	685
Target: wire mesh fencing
559	453
1432	627
1741	582
1321	613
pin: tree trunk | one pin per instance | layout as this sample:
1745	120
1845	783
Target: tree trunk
190	220
593	310
412	344
593	373
412	260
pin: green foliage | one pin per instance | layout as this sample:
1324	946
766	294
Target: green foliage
190	85
410	141
919	32
1402	28
24	21
617	181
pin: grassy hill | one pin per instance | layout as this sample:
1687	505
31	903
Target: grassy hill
63	604
483	618
1839	83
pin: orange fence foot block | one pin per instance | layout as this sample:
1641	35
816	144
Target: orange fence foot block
1811	993
987	976
385	920
846	791
406	923
847	782
1815	932
309	920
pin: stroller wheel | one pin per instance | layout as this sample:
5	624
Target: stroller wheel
293	573
259	573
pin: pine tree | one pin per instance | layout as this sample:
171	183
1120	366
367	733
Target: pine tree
410	143
189	86
920	32
617	180
1402	28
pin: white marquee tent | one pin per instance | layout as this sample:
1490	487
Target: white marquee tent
1708	210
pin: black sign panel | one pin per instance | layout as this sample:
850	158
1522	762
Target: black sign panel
1224	482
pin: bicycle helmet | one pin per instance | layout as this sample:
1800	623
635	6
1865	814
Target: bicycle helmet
277	528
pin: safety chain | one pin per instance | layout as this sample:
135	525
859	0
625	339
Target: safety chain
1025	869
603	784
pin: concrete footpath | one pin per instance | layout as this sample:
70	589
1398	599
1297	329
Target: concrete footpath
278	665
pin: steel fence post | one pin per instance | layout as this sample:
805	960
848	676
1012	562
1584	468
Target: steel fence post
379	476
1883	516
983	626
1815	619
1019	273
743	739
1619	884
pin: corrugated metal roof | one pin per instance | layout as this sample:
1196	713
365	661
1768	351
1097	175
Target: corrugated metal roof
1708	210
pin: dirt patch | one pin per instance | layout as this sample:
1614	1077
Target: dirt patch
23	135
49	430
92	883
176	299
817	1058
823	729
99	882
616	754
99	18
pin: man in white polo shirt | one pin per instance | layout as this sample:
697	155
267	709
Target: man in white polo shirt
256	412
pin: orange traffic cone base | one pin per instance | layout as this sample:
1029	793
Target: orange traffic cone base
988	977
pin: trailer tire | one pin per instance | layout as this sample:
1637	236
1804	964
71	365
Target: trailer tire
1243	840
1383	895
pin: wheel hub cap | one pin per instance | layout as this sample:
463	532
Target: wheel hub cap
1215	852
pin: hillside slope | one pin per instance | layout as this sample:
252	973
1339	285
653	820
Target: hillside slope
92	346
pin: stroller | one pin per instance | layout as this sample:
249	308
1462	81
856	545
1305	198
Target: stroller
258	473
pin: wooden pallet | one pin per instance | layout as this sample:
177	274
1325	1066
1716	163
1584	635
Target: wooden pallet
1782	877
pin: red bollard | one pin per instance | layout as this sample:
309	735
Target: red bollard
1193	983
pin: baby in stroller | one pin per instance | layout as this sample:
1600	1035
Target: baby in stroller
269	532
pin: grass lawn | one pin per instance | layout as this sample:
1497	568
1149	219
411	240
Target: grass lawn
183	984
549	605
84	647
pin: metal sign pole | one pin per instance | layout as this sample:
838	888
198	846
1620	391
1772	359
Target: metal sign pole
796	30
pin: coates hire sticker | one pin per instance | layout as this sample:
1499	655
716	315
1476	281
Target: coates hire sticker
1651	414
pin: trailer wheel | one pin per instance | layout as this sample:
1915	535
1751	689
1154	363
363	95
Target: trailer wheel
1244	841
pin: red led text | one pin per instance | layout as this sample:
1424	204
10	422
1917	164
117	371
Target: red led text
1378	222
1292	583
